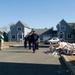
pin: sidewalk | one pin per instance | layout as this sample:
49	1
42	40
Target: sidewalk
9	44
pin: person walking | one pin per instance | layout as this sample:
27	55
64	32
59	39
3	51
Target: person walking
25	42
1	41
37	43
29	40
34	38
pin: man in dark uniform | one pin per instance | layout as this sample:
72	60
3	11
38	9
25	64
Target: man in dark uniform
25	42
29	40
34	38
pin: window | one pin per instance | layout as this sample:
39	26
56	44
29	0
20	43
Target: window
62	27
69	36
19	28
13	36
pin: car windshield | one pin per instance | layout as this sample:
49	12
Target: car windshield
54	38
49	39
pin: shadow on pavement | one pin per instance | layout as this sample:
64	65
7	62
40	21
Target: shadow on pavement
62	63
41	46
15	51
73	62
21	49
9	68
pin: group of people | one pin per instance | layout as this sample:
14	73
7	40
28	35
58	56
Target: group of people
32	39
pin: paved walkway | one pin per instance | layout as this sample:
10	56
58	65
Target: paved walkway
20	61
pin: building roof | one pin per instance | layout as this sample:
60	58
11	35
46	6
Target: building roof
42	31
24	24
72	25
3	30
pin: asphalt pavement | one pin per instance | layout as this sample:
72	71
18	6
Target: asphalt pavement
20	61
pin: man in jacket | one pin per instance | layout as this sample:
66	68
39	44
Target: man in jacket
34	38
25	42
29	40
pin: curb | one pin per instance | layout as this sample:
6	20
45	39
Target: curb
5	47
69	65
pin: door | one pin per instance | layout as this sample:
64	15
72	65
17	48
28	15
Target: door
61	36
19	37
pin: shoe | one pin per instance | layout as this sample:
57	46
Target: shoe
33	51
0	49
37	48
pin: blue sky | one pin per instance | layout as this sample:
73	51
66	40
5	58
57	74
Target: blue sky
36	13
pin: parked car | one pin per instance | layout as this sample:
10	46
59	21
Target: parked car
47	41
52	40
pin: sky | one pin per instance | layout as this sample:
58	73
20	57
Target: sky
36	13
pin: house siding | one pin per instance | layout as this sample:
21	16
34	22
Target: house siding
67	31
26	31
14	31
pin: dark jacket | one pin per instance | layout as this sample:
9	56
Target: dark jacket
25	39
29	38
34	37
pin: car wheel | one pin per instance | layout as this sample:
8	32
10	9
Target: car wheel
58	41
50	43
